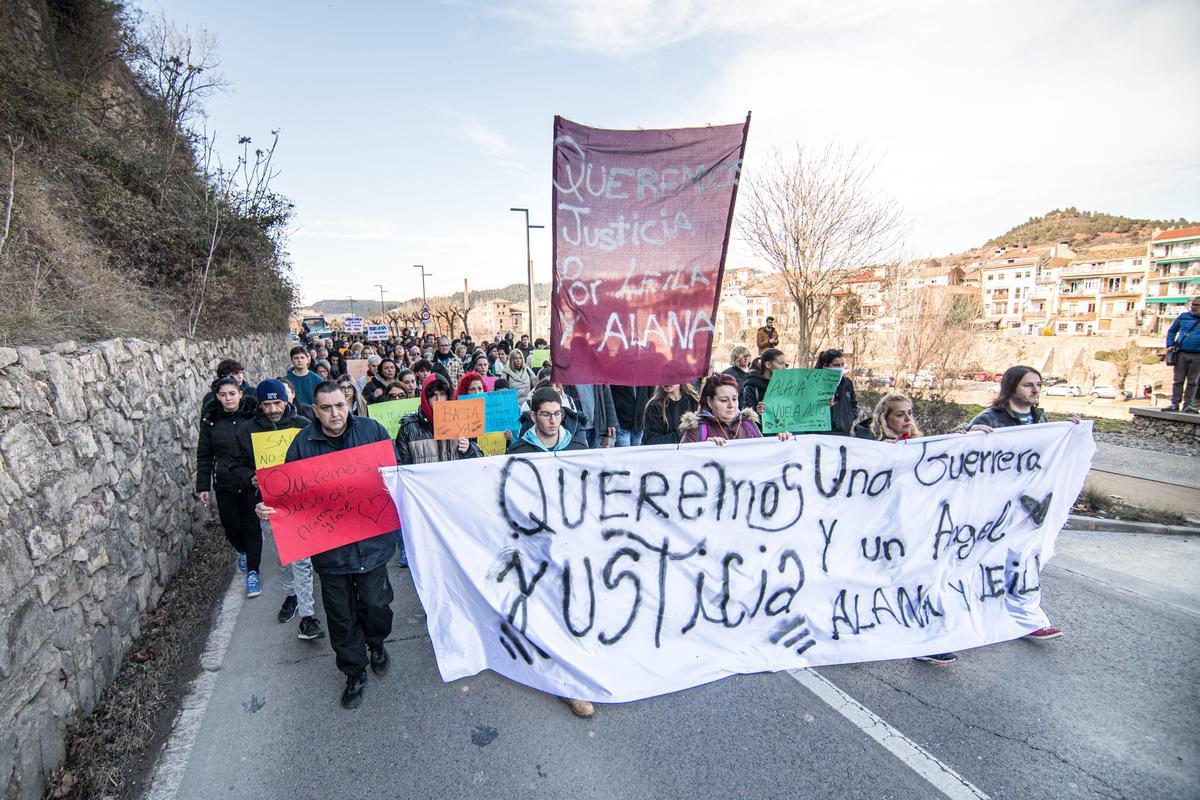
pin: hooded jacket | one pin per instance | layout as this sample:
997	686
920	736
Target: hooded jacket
530	443
217	448
754	390
243	468
662	422
570	423
357	557
703	426
415	443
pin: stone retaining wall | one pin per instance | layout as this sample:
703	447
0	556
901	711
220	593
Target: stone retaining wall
97	457
1172	427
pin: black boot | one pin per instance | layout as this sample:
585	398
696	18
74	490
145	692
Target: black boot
353	693
379	660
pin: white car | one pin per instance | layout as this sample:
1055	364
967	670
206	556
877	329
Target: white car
1063	390
1104	392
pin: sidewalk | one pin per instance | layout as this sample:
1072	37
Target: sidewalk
1178	470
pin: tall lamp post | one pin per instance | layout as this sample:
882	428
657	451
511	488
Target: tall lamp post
351	306
381	308
529	268
424	301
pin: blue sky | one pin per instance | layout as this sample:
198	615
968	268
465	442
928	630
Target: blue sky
409	129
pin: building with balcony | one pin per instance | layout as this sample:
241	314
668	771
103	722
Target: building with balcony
1173	277
1102	293
1020	286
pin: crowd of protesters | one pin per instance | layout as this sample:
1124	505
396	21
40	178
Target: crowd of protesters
332	380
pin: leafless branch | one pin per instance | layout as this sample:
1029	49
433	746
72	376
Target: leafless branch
13	147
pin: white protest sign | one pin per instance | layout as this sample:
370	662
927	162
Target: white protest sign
617	574
352	325
377	333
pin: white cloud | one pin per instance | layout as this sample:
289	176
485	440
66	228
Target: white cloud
470	128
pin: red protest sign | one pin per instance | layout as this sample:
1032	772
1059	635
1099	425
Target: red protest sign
459	419
327	501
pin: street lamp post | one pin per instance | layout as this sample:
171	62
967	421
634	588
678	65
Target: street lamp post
351	306
382	311
424	301
529	268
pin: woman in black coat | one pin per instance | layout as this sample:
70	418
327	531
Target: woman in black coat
217	453
665	411
843	411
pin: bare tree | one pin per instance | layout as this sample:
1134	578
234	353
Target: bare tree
814	217
13	147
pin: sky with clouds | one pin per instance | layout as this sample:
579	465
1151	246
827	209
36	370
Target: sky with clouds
408	130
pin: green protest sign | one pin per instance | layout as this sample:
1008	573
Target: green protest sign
797	400
390	413
538	358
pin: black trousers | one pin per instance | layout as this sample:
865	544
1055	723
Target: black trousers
241	525
358	611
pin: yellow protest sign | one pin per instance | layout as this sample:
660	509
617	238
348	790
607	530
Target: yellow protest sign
270	447
493	444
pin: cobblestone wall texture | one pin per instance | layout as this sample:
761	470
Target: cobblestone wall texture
97	456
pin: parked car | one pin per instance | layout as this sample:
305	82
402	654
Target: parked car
1106	392
1064	390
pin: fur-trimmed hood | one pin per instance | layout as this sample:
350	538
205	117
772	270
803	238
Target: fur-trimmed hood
691	420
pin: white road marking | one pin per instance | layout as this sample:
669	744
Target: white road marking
915	757
173	761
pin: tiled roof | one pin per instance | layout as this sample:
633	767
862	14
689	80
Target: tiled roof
1178	233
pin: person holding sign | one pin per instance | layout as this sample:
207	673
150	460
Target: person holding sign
355	590
216	457
843	408
719	419
415	443
274	414
754	387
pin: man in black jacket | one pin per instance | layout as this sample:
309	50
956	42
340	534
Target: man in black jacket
355	590
275	413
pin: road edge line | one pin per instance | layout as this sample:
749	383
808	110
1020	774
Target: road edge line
915	757
176	753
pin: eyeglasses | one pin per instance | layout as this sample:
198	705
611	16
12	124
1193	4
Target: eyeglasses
394	396
550	414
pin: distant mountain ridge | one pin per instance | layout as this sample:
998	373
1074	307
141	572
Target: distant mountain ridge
1082	229
514	292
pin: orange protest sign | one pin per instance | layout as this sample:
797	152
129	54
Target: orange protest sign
458	419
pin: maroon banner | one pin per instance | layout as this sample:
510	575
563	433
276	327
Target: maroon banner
641	228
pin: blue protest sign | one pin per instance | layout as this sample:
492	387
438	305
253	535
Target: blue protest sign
501	411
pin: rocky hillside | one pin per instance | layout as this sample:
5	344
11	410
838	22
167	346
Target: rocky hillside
120	222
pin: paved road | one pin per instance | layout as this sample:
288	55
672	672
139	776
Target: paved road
1106	712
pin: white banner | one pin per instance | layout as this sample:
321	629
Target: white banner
614	575
352	325
377	333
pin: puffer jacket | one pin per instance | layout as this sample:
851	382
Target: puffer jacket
754	391
217	448
1003	418
357	557
1184	333
243	468
844	411
703	426
415	443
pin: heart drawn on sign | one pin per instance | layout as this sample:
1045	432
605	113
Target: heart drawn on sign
372	508
1037	511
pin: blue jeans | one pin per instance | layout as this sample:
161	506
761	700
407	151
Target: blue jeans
628	438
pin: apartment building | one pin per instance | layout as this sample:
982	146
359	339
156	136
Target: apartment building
1020	286
1173	276
1102	293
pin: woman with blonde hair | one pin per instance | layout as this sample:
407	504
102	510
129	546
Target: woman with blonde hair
664	412
739	365
891	421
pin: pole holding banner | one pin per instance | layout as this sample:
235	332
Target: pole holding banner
641	225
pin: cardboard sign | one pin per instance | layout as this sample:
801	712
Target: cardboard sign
328	501
377	333
538	358
270	447
797	400
356	368
352	325
493	444
391	412
501	412
458	419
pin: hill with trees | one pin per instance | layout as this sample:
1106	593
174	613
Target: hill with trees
117	215
1082	229
515	293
